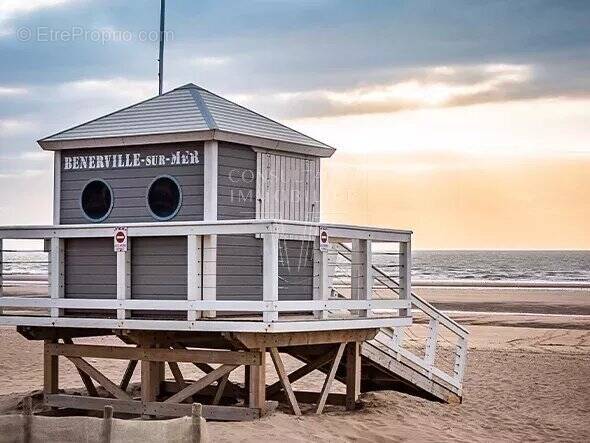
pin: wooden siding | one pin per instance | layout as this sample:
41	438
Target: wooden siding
90	268
288	187
130	186
159	268
158	264
239	257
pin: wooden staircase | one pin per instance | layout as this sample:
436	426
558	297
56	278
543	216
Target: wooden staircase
430	364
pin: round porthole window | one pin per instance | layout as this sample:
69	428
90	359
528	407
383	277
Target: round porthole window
96	200
164	197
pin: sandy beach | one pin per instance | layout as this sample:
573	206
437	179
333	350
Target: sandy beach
526	379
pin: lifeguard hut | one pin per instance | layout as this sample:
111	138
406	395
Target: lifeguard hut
189	227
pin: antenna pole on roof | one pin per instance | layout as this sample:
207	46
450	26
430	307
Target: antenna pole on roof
161	56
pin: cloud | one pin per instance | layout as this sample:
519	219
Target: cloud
14	126
10	9
12	91
210	61
433	87
119	88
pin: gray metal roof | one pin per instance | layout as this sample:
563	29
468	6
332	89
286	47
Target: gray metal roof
189	110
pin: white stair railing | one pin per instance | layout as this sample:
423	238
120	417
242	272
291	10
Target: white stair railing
439	326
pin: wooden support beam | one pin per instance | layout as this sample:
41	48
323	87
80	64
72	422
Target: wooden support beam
195	387
353	375
88	384
220	389
222	413
50	371
257	340
128	374
309	397
206	368
330	379
150	381
284	379
155	354
297	374
90	370
257	383
170	387
177	374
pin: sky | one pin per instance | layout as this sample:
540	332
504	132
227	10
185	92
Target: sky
467	122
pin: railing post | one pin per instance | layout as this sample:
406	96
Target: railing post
397	337
56	273
270	273
194	291
209	271
430	351
361	273
460	359
405	274
321	276
124	279
1	275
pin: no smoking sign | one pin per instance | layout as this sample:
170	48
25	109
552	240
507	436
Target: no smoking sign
121	239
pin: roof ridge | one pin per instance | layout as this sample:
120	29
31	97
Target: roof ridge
265	117
108	115
202	106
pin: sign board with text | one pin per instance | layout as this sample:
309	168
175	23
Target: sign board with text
120	239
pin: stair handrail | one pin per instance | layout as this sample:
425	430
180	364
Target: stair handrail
416	300
437	318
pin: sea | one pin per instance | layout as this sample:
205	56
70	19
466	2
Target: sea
428	266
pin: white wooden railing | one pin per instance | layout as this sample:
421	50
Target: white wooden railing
201	310
443	334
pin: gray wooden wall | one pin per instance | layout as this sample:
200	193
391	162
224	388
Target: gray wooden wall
130	186
239	257
158	264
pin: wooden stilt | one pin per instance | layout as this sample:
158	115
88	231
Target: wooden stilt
128	374
284	379
150	381
330	378
50	371
257	384
353	375
220	389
